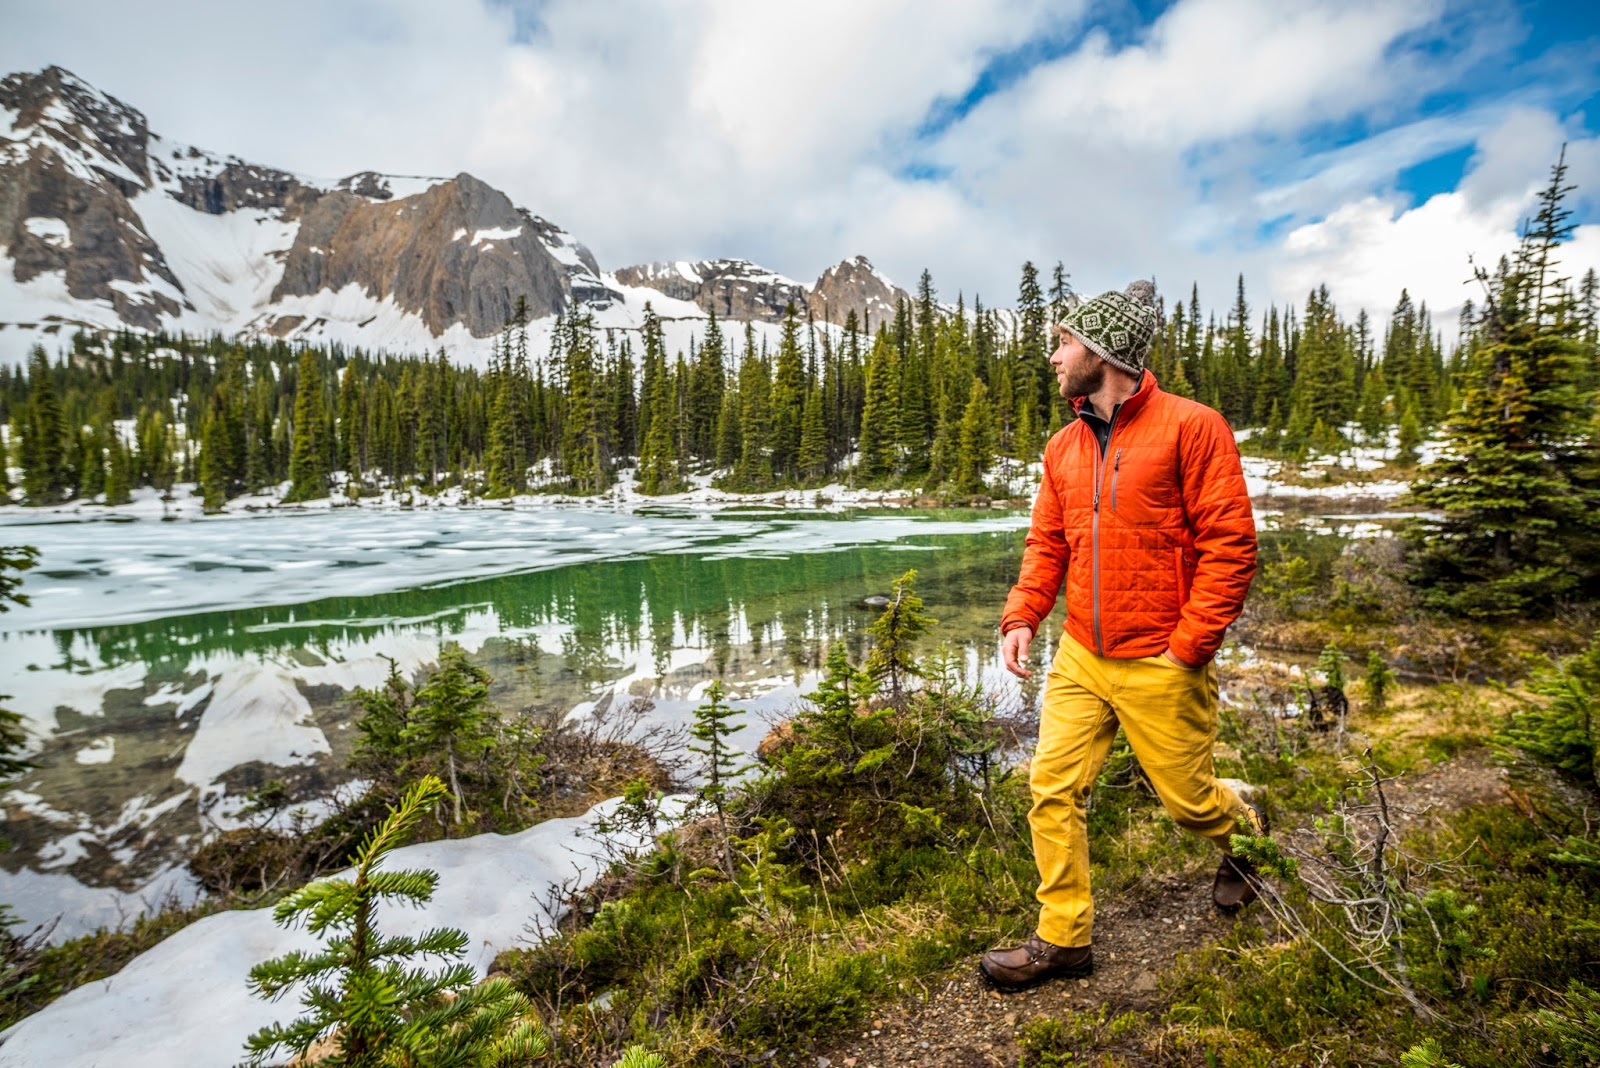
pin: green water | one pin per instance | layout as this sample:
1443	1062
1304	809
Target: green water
150	740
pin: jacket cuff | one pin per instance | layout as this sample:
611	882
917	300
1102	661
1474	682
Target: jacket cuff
1187	650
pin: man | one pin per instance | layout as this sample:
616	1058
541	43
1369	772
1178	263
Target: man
1143	512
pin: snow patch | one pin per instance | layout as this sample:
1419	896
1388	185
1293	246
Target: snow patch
228	265
480	237
186	1003
99	751
52	232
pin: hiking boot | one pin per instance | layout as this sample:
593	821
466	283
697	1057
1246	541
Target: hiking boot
1236	878
1234	886
1032	963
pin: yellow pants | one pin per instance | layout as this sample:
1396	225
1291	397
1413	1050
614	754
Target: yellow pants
1169	714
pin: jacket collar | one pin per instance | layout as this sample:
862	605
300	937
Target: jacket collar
1126	410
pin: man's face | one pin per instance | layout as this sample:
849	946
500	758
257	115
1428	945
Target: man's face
1079	372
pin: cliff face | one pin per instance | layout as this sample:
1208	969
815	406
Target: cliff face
855	285
69	160
460	252
733	289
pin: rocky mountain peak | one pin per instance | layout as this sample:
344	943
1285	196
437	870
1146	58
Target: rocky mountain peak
56	105
854	284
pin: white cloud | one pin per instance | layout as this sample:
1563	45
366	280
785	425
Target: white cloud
1367	250
656	130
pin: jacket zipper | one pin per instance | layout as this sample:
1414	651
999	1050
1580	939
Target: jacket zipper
1094	526
1116	466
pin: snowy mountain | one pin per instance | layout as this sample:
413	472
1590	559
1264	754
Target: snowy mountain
106	225
733	289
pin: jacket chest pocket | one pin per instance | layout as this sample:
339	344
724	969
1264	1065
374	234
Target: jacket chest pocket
1141	486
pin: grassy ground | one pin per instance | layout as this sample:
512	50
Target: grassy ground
858	947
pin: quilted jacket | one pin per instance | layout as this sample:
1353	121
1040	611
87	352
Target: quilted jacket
1153	536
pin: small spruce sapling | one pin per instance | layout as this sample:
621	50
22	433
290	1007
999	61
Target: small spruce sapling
1426	1054
1328	703
452	714
1558	730
839	704
359	987
714	723
1380	680
895	634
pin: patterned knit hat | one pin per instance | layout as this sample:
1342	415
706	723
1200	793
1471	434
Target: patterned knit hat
1117	326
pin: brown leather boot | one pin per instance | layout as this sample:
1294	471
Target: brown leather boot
1032	963
1234	886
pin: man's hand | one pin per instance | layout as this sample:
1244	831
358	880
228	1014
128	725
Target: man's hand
1014	650
1169	655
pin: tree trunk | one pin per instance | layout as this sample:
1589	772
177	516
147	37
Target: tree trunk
455	787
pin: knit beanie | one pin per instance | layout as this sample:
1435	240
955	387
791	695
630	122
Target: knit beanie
1117	327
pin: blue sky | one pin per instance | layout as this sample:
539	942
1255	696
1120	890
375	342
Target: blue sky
1365	144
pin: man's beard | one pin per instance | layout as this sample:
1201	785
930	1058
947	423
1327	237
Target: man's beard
1082	383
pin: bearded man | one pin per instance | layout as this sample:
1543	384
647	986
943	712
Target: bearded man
1142	513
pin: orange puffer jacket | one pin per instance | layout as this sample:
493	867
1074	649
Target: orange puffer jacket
1155	537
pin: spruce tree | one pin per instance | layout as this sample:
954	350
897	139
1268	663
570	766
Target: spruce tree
1236	391
754	470
813	461
1519	512
1409	435
119	474
352	425
1032	343
880	417
1324	374
502	467
46	478
214	483
307	474
916	386
729	440
788	398
1370	410
976	445
362	989
706	384
1061	295
261	469
659	466
584	458
451	718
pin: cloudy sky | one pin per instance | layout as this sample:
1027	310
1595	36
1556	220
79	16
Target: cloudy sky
1368	145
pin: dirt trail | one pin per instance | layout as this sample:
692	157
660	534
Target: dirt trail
1138	937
